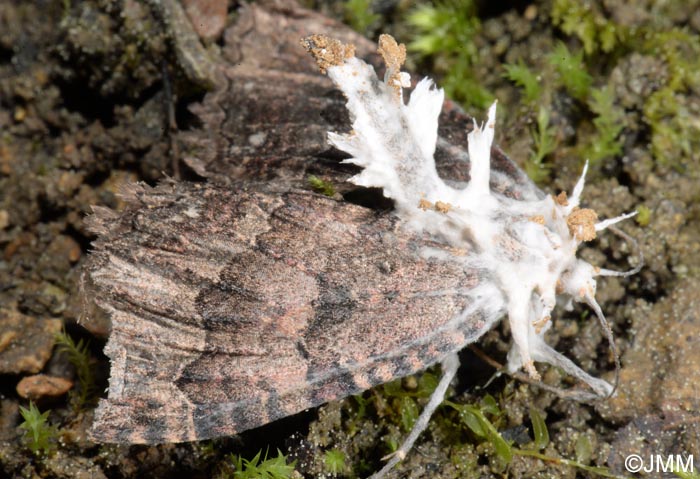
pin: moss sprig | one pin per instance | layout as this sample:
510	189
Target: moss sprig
39	434
445	32
78	355
544	141
257	468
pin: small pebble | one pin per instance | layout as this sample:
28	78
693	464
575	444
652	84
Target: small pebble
42	385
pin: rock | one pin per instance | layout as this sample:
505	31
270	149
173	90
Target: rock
208	17
42	385
25	342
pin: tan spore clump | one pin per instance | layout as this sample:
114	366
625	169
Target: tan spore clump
328	51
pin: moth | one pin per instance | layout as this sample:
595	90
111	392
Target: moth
233	306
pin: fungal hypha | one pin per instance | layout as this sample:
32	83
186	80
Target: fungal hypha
525	250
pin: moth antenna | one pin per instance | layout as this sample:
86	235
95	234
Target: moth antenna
449	369
578	189
590	300
601	225
635	245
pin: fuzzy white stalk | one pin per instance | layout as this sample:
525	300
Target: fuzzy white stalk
480	140
575	199
600	226
524	250
393	143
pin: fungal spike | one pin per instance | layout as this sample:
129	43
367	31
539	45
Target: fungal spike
601	225
578	189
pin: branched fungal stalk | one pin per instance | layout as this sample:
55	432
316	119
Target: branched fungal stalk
525	248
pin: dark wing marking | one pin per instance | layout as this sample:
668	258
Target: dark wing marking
231	309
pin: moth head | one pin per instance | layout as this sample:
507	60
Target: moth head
579	281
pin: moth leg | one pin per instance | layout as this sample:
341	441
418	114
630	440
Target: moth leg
519	319
449	369
541	351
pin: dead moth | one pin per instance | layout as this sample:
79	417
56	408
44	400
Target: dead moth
235	306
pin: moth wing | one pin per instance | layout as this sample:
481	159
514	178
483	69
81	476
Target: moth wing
231	309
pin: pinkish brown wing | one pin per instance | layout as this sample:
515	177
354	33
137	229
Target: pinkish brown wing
233	308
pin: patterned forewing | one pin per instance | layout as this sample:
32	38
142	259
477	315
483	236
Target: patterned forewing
231	309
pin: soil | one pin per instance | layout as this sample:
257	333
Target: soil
97	94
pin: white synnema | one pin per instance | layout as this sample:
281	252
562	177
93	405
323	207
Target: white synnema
526	249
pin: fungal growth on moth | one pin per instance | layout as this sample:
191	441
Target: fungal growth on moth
525	250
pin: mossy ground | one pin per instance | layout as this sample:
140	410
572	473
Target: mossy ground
619	84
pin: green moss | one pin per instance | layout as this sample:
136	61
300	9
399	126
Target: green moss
643	215
539	429
474	417
359	15
321	186
687	475
79	356
39	435
583	448
572	74
544	142
584	20
403	402
445	32
675	131
334	461
526	79
609	122
274	468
